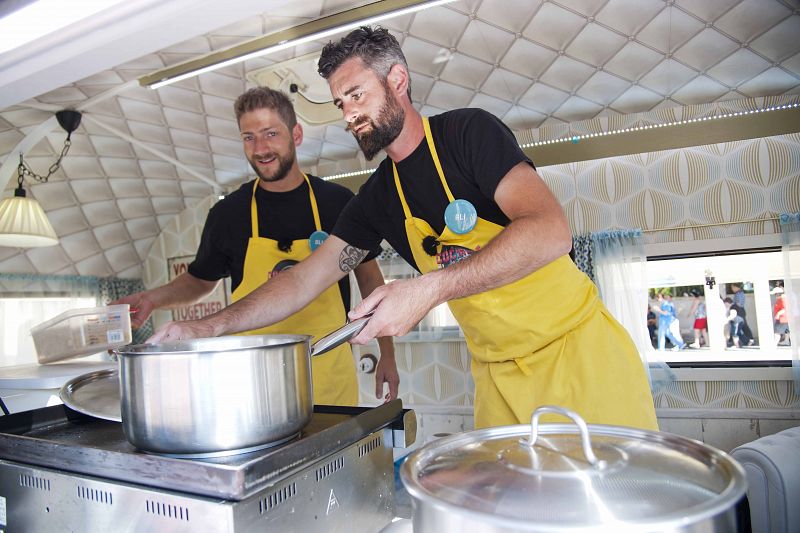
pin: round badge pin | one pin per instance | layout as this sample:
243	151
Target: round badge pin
316	239
460	216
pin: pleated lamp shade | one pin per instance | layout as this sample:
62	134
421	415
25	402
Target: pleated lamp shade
23	223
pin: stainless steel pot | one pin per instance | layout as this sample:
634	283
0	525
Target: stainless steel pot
215	396
560	477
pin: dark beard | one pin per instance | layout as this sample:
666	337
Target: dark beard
384	132
280	173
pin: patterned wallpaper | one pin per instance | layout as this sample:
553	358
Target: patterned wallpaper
723	183
715	184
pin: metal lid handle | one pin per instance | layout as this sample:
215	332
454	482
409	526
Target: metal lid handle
583	429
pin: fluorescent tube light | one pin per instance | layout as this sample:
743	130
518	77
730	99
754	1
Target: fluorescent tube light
310	31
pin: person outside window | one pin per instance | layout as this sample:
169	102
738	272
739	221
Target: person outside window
700	320
736	321
781	318
666	321
740	300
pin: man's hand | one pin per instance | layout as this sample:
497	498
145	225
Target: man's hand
179	331
398	307
386	372
141	307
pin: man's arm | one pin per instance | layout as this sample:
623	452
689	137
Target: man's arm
370	277
276	299
537	235
184	290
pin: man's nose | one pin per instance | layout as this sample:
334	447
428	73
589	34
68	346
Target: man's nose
350	113
261	145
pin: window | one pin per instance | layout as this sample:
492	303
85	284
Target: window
718	308
19	315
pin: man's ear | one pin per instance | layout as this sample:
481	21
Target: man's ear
297	134
397	79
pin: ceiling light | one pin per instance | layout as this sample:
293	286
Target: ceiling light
575	138
23	222
316	29
44	17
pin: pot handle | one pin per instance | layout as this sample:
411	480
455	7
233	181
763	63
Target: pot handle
583	429
345	333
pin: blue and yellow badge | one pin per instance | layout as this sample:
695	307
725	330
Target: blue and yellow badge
316	239
460	216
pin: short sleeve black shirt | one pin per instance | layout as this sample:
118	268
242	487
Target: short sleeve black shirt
282	216
476	151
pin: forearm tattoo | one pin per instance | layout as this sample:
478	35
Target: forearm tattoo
351	257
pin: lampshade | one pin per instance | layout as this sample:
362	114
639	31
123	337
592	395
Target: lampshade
23	223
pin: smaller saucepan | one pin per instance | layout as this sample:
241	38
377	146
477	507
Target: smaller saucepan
222	395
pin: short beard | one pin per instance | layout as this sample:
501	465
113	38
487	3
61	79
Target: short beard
383	132
282	171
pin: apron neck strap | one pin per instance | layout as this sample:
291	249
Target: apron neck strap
254	210
314	208
435	156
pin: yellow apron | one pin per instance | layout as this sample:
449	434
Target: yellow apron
544	339
333	374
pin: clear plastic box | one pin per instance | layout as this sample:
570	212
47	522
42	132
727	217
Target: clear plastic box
82	332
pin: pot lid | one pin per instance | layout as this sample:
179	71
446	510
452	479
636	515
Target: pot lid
558	477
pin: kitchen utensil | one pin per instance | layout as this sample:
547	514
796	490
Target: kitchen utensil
561	477
95	394
215	396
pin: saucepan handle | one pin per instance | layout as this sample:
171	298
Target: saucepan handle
343	334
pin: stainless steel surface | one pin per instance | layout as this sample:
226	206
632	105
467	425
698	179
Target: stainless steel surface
348	491
213	395
218	395
59	438
493	480
94	394
345	333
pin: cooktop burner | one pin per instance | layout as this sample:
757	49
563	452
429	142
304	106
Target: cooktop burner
61	438
64	471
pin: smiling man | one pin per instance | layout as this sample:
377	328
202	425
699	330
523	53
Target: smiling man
265	228
458	199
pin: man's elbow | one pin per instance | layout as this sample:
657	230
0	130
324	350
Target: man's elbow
562	242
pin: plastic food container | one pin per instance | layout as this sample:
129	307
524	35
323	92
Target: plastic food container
82	332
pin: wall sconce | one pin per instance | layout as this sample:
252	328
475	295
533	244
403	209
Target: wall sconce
23	222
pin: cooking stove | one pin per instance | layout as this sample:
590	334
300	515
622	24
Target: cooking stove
64	471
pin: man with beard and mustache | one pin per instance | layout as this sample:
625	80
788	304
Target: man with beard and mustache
265	228
458	199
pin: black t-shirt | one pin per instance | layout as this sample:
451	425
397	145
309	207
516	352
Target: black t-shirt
476	151
282	216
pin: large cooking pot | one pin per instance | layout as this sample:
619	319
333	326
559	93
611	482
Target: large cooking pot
215	396
562	477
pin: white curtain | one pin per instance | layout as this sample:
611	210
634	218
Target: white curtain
790	234
621	277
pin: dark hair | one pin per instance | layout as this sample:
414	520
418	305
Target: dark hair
376	47
696	294
266	98
728	301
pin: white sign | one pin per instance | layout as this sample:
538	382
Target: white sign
211	304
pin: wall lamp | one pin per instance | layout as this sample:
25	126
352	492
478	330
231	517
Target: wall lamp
23	223
310	31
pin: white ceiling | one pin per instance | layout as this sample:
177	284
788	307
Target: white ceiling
141	156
